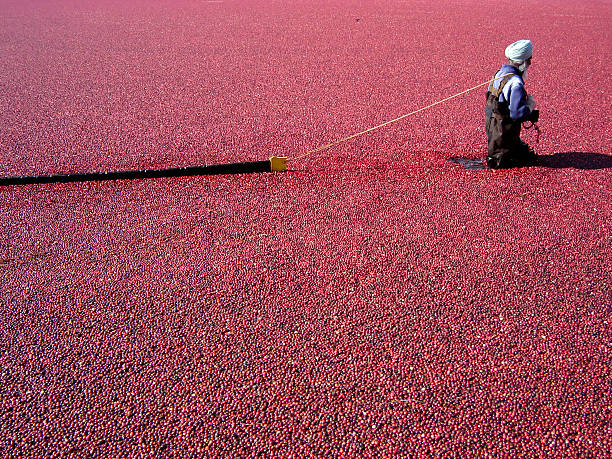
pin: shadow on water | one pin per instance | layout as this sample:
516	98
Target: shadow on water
469	163
568	160
576	160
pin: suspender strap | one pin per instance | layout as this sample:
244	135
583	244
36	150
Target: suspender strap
497	91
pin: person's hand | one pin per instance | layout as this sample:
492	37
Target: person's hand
531	103
534	116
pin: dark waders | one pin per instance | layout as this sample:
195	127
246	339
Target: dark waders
506	149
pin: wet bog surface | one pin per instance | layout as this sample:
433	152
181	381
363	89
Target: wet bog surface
378	299
469	163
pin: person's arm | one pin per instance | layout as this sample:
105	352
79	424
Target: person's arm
519	110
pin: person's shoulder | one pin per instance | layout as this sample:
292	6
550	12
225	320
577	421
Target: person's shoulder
515	81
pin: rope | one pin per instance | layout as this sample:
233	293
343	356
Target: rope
329	145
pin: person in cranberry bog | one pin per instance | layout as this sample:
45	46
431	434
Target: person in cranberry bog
508	106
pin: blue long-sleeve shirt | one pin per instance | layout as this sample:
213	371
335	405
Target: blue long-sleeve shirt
514	92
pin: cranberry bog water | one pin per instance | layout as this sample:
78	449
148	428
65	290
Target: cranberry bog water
376	299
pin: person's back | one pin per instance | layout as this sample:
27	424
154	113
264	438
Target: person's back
508	106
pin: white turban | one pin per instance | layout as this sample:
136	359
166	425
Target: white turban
519	51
